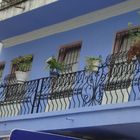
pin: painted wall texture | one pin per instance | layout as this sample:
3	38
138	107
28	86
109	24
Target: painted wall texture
48	14
97	39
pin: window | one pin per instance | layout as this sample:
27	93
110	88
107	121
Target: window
123	41
120	73
69	54
14	90
2	65
62	86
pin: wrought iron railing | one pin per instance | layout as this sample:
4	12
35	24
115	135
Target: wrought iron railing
116	81
8	3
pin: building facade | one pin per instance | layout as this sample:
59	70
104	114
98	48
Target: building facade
100	103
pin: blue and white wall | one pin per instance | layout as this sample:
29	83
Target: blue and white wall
97	39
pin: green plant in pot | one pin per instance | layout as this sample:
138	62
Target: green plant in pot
92	63
22	65
54	66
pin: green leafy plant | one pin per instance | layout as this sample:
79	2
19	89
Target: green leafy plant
133	35
92	63
53	64
22	62
88	59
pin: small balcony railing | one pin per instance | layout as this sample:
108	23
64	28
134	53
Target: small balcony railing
116	81
8	3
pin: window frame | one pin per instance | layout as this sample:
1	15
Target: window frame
64	49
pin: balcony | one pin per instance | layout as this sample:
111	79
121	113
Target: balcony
115	82
8	3
11	8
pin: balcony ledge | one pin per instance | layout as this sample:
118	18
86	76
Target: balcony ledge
97	108
112	114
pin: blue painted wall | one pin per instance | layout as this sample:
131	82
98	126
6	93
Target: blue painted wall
97	38
53	13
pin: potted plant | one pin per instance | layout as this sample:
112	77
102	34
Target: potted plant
22	65
92	63
134	51
54	66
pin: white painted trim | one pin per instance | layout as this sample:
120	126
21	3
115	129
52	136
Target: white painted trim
80	21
